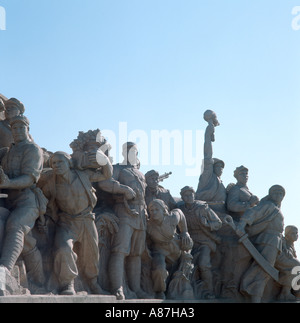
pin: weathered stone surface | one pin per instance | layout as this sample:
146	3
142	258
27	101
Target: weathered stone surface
77	229
9	285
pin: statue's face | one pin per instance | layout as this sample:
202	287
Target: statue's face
152	181
188	197
156	212
11	112
19	132
242	177
60	165
218	169
293	234
215	120
132	154
277	196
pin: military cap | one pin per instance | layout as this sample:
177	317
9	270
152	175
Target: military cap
186	188
20	118
151	173
219	161
276	188
15	102
239	169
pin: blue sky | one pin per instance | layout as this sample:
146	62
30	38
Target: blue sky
158	65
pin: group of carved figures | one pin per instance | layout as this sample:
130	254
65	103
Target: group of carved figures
76	223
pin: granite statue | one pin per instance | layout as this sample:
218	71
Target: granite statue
129	242
76	223
21	167
168	240
239	199
203	224
11	108
156	191
264	225
210	187
71	202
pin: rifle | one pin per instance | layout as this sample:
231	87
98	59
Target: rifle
164	176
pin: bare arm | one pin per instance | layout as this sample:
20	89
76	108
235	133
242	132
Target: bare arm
182	226
208	160
186	241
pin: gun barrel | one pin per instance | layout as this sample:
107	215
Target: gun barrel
164	176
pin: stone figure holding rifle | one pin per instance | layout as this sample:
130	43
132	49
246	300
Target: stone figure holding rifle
156	191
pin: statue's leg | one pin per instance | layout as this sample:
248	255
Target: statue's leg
204	264
65	266
4	213
33	261
88	257
159	273
116	274
134	262
19	223
120	250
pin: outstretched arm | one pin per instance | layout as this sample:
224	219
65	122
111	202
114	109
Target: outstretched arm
208	139
208	163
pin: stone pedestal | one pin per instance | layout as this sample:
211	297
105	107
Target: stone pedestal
9	285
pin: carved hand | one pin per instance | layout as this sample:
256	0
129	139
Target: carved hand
111	222
128	192
187	242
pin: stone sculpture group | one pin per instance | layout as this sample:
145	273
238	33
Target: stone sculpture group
78	224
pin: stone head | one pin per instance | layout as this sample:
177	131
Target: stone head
152	179
61	162
188	194
291	233
19	128
130	153
241	174
157	210
13	108
211	117
277	194
218	166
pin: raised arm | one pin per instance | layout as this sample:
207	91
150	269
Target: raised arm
208	140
